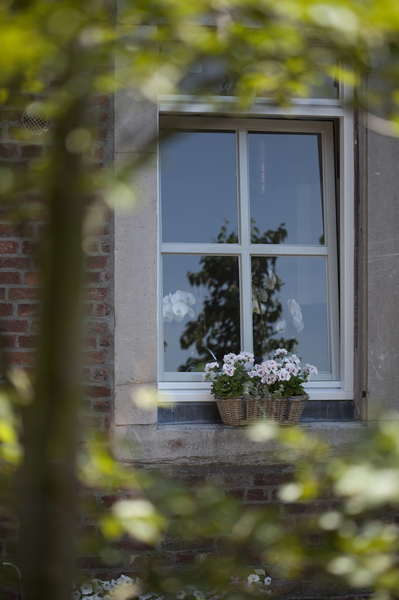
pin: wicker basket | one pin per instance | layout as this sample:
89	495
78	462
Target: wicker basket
244	411
284	410
231	409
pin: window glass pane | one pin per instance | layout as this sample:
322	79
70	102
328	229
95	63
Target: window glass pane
201	310
199	187
285	188
289	304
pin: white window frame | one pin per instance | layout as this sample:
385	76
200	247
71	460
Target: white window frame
309	115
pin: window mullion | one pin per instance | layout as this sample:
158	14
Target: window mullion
245	262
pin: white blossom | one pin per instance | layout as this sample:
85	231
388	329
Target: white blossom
271	280
280	326
86	588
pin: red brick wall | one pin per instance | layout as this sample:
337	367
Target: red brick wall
19	282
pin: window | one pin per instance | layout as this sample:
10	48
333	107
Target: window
248	251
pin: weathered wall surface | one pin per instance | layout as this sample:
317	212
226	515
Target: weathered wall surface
19	281
382	286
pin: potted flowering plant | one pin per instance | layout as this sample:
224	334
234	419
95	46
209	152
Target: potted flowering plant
276	387
228	385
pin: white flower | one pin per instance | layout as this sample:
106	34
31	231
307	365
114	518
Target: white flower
86	588
106	585
190	298
179	296
296	315
167	312
284	375
263	295
228	370
267	581
270	280
229	358
180	309
211	366
76	595
180	595
280	352
253	577
280	326
198	594
259	571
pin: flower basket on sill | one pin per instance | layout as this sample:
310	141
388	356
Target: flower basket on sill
272	390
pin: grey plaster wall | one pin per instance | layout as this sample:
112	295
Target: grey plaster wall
381	288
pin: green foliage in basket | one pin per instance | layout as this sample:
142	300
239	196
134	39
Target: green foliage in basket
231	379
278	378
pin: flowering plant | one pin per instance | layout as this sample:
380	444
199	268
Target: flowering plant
279	378
116	589
230	380
125	588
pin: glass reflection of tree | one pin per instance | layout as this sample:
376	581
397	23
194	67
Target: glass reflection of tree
216	332
266	305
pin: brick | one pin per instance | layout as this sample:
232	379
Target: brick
109	500
28	310
9	277
90	562
105	341
102	310
6	310
29	247
28	341
8	150
14	263
94	358
7	247
185	558
96	262
132	545
257	495
97	391
7	341
237	494
102	101
23	293
2	293
32	278
31	151
7	230
14	325
99	327
97	293
20	358
90	342
106	247
103	231
102	406
101	374
101	133
265	479
99	153
10	115
92	277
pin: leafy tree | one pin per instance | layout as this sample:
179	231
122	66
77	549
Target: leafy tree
217	330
